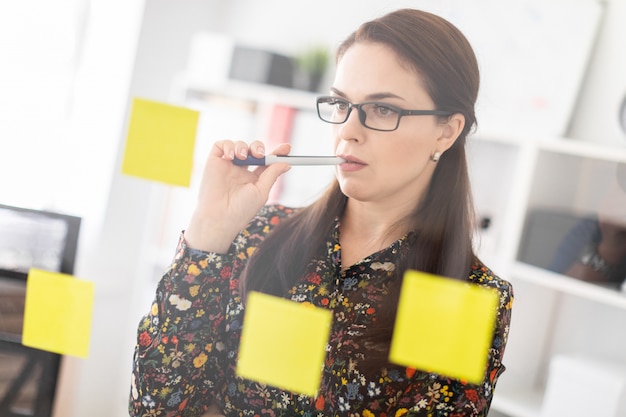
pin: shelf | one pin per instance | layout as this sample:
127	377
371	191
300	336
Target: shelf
566	146
585	149
256	92
568	285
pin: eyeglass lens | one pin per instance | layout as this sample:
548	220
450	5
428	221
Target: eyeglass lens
372	115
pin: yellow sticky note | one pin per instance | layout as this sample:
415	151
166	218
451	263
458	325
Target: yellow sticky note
283	343
160	142
57	313
444	326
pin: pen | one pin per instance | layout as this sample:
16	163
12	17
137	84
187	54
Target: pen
291	160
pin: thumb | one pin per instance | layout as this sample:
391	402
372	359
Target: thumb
270	175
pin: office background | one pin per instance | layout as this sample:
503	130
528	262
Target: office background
64	127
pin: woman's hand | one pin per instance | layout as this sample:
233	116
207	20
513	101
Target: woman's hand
230	195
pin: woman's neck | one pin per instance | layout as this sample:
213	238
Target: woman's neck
366	229
375	221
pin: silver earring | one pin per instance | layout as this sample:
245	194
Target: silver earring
435	156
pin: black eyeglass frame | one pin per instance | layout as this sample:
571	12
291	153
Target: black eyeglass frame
363	116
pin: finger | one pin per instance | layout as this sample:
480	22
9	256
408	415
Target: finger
257	149
241	150
223	149
268	176
282	149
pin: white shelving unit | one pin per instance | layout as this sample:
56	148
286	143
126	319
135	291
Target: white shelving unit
511	176
553	313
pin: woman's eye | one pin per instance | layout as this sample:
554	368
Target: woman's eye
341	105
383	110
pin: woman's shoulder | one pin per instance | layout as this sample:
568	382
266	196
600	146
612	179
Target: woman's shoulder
482	275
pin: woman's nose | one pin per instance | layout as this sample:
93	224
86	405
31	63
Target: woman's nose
352	128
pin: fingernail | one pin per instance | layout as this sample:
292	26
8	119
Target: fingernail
259	150
243	153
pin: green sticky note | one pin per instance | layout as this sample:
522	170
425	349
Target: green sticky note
57	313
444	326
160	142
283	343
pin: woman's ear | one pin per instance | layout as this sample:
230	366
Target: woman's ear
451	129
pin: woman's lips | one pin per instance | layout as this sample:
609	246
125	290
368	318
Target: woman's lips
352	164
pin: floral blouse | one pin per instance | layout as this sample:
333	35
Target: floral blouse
187	344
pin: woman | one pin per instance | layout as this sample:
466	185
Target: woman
400	201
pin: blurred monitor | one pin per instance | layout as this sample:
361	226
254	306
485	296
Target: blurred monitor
36	239
31	239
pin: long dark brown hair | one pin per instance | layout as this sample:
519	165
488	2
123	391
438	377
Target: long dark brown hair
443	222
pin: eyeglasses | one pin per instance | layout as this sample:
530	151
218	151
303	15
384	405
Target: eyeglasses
373	115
